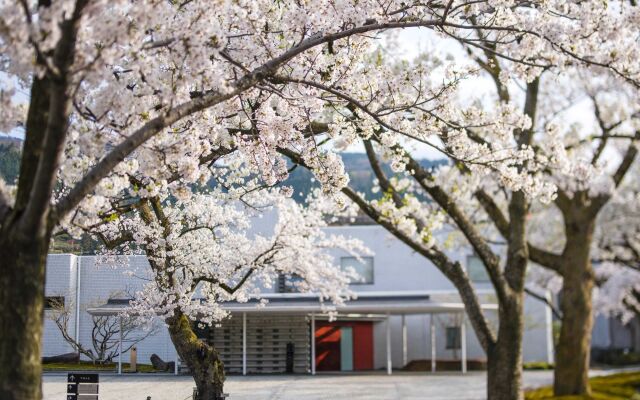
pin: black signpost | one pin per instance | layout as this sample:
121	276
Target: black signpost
82	386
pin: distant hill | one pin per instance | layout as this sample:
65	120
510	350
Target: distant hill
360	175
10	141
356	165
10	149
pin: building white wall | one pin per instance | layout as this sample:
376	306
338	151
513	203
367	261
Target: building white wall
99	283
396	266
538	331
396	269
61	276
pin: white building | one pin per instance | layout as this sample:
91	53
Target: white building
406	311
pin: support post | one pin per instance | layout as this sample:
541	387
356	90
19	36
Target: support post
404	341
549	328
432	329
175	363
244	343
463	343
313	344
78	294
120	347
388	345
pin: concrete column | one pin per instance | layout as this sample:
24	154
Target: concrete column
313	344
175	364
549	328
463	343
388	346
404	341
244	343
432	329
120	347
78	294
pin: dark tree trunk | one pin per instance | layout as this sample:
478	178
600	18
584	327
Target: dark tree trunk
22	277
504	358
574	347
203	360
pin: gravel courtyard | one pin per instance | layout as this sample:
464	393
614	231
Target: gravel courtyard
407	386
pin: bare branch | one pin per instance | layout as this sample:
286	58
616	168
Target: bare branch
557	313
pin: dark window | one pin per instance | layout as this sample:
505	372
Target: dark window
288	283
363	268
53	302
453	337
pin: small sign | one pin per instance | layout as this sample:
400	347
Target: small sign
87	388
82	386
73	377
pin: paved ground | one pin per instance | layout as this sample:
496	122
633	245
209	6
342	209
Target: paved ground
406	386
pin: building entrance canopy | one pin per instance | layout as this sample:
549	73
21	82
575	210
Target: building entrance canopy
307	303
371	305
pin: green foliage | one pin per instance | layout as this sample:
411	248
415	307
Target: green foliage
540	365
89	366
622	386
9	162
68	245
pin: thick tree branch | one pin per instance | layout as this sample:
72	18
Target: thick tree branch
494	212
544	258
626	163
57	123
517	247
385	184
125	237
452	270
490	260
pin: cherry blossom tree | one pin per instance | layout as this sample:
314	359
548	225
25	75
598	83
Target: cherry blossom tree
204	251
617	254
158	88
505	161
587	161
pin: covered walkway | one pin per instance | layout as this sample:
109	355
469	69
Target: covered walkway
372	306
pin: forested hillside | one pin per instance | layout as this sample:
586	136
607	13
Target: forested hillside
9	158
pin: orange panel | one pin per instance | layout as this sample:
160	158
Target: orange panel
327	347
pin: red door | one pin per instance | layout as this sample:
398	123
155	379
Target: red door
328	345
362	346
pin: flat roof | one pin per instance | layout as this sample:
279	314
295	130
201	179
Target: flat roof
309	303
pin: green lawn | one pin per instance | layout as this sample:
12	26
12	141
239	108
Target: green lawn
611	387
89	366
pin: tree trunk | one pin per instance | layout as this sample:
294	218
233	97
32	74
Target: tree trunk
571	375
22	278
203	360
504	358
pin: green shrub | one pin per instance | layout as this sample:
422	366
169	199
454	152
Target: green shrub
538	365
622	386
